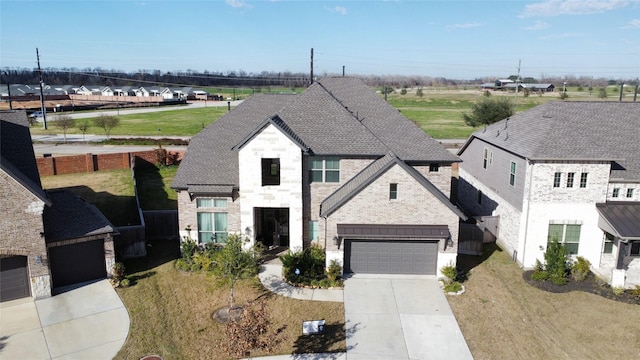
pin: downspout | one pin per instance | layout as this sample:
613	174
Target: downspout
526	225
325	234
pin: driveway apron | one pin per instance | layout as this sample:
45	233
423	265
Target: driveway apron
400	318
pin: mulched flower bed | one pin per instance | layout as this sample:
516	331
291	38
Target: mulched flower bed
589	285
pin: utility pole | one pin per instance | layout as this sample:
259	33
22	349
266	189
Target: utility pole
8	90
342	70
517	86
44	108
311	66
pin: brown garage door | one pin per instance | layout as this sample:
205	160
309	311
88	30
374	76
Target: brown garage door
14	278
76	263
391	257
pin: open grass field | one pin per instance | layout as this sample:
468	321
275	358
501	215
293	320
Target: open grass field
437	112
170	312
110	191
503	317
180	122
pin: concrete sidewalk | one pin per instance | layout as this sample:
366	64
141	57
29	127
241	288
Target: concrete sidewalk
89	322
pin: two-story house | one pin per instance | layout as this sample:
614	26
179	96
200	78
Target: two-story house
336	166
563	170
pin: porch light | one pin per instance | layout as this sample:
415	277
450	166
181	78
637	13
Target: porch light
336	241
449	242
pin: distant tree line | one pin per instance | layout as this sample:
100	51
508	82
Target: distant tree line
100	76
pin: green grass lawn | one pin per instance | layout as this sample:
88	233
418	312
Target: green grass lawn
154	187
180	122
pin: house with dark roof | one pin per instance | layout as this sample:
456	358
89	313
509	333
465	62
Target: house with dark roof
568	171
48	239
334	166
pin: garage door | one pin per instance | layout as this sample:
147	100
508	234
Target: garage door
391	257
72	264
14	278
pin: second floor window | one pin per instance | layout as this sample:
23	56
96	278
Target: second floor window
616	192
570	177
270	172
325	170
583	180
512	174
629	193
393	191
557	177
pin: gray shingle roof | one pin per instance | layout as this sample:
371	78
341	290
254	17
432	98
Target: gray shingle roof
334	116
575	131
369	174
70	217
16	152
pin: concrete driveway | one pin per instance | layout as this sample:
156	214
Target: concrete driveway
400	318
89	322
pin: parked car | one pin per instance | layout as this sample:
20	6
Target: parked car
36	114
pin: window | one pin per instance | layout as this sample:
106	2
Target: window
393	191
616	192
270	172
629	193
566	234
608	244
485	158
325	170
635	249
313	231
583	180
570	177
211	203
212	227
479	197
557	177
512	174
434	167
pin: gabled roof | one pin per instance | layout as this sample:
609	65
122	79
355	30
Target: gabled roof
573	131
623	217
70	217
16	152
372	172
333	117
281	125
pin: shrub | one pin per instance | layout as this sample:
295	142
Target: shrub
119	271
538	266
188	248
539	275
181	264
580	269
556	260
636	291
450	273
125	283
303	266
618	290
564	96
558	279
453	287
333	272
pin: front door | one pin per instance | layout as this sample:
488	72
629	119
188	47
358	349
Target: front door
272	226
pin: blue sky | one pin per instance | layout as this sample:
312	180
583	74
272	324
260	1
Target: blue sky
453	39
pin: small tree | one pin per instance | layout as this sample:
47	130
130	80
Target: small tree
556	262
602	93
106	123
83	126
64	123
233	263
564	95
419	92
488	111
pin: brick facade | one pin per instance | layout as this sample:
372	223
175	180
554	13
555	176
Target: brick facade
22	232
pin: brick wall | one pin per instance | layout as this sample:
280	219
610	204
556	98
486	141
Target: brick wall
48	166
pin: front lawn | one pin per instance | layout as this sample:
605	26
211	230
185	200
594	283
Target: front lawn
171	310
503	317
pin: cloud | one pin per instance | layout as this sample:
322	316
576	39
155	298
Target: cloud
539	25
238	4
633	24
338	9
571	7
466	25
561	36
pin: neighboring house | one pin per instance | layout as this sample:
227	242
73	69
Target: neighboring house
334	166
563	170
48	239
